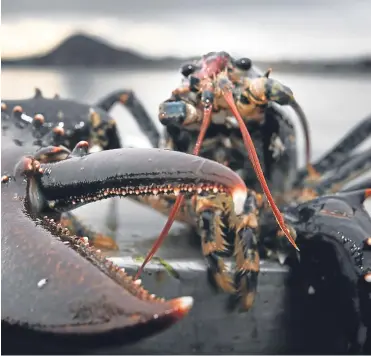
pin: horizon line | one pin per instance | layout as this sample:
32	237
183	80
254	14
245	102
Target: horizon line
140	53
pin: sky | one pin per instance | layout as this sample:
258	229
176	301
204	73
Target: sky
265	29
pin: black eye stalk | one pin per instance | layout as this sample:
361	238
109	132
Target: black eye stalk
243	63
188	69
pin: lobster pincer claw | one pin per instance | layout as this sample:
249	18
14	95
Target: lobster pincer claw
60	288
333	233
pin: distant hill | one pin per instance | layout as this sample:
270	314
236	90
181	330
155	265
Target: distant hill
87	51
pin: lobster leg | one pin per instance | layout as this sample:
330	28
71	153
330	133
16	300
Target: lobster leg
352	169
362	184
213	215
132	103
223	233
246	251
248	267
339	154
336	180
358	165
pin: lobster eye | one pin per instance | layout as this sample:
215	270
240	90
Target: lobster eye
243	63
188	69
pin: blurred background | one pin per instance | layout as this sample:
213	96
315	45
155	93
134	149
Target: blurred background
83	49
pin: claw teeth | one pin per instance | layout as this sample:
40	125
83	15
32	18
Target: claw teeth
183	304
156	190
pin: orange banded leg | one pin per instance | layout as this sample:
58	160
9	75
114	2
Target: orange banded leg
246	252
213	214
214	249
247	267
224	234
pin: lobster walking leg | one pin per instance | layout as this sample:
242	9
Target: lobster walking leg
362	184
223	233
132	103
336	179
352	169
213	215
246	251
248	266
339	154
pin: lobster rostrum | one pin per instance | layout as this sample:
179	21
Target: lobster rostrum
55	284
195	113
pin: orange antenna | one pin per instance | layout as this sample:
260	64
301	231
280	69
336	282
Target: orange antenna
227	93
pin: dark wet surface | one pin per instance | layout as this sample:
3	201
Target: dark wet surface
284	319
